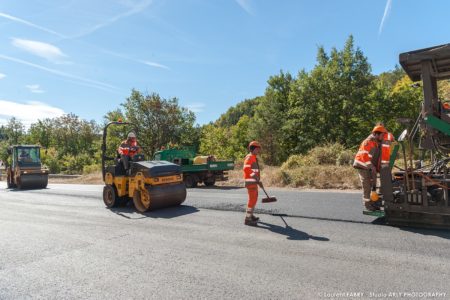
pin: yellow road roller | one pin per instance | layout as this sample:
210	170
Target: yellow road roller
149	184
25	170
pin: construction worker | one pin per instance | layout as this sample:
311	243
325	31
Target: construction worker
24	155
385	168
367	162
252	180
128	149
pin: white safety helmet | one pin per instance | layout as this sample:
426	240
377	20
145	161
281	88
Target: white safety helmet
131	135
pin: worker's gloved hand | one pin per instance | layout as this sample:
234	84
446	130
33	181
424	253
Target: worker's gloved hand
133	148
373	172
260	184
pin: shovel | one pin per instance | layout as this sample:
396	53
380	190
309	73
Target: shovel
268	199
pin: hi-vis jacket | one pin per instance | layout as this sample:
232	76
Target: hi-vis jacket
251	170
388	138
368	154
129	148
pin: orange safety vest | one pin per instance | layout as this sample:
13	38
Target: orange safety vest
388	138
251	170
367	154
124	148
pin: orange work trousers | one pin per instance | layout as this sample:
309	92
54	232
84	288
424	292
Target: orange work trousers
252	195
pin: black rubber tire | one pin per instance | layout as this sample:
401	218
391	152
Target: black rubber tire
190	181
210	182
110	197
9	185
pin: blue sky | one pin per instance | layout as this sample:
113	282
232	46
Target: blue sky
85	56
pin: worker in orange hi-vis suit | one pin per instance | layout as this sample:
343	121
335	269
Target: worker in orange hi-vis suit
367	162
252	180
385	168
127	149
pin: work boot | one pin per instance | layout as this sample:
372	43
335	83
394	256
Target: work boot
371	207
254	218
250	222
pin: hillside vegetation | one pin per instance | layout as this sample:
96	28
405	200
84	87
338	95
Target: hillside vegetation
310	123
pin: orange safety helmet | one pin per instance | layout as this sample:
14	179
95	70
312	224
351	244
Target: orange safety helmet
254	144
379	128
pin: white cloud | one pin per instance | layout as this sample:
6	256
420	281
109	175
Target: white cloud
47	51
134	8
154	64
2	75
196	107
28	112
387	10
35	88
245	5
76	79
18	20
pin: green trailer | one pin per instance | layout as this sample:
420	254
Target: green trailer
197	169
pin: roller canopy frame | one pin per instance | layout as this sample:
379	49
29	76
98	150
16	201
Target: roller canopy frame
105	134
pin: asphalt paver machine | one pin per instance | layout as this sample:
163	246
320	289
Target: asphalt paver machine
420	191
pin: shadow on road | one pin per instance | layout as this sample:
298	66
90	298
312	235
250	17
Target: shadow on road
17	190
290	233
379	221
130	212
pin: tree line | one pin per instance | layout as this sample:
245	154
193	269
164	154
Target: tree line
338	101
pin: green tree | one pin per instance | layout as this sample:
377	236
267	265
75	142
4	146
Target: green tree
270	118
215	141
41	133
333	102
73	136
233	114
160	121
14	131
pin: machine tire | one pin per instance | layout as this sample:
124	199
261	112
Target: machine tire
210	182
140	205
110	197
190	181
10	185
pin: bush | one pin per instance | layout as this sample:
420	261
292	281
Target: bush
75	164
49	158
346	157
294	161
329	154
326	154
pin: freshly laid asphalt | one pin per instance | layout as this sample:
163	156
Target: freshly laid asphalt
62	243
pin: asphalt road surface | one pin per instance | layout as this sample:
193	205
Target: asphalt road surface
62	243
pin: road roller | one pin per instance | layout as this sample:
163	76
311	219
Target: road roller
25	170
149	185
